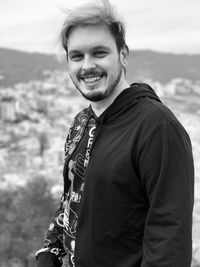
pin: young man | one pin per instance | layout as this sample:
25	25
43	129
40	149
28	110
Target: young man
128	173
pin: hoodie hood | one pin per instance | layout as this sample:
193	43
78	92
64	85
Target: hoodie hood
128	97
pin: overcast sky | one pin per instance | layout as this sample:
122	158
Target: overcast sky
160	25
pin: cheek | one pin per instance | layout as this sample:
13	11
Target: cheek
114	68
114	64
73	69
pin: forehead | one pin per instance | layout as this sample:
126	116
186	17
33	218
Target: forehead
90	36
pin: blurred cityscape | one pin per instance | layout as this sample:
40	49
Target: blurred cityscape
34	120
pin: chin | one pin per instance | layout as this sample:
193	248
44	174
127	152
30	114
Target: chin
94	97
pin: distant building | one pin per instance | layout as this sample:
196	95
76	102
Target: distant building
8	108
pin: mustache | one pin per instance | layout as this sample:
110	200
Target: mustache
91	73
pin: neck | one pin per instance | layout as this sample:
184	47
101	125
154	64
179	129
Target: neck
100	106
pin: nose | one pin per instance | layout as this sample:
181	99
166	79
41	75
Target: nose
88	63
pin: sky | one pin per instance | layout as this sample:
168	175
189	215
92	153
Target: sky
159	25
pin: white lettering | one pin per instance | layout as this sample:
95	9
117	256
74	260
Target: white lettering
91	132
90	140
82	187
86	163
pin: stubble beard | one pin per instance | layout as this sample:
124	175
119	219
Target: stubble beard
96	95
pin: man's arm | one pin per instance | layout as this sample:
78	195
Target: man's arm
52	253
167	173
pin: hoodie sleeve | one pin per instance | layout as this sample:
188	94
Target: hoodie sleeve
167	173
52	253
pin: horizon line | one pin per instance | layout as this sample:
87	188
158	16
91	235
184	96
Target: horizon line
130	49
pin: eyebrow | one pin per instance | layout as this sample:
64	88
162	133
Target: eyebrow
99	47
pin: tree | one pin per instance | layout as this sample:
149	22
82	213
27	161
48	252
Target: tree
25	215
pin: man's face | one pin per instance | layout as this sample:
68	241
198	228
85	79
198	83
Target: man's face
95	64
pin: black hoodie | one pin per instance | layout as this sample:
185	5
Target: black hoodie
136	207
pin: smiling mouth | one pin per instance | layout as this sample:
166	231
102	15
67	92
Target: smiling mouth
92	79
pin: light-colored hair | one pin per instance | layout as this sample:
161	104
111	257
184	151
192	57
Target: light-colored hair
94	13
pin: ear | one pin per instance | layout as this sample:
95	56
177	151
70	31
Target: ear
124	53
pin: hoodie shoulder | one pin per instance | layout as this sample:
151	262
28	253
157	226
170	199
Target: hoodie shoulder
151	105
157	111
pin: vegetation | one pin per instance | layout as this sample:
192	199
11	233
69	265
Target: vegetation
25	214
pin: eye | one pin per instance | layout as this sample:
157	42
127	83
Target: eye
76	57
100	53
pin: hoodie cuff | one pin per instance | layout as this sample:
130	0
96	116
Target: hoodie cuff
48	259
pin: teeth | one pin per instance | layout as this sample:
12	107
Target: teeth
92	79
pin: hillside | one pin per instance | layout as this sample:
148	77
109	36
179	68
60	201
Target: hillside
16	66
163	67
